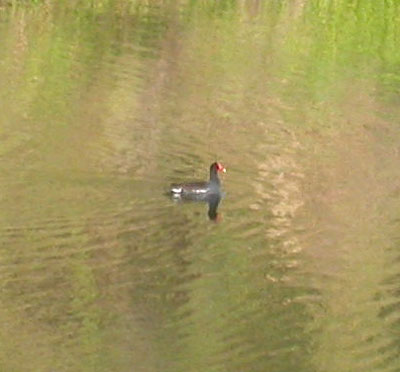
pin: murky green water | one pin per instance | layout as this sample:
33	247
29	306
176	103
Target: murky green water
103	104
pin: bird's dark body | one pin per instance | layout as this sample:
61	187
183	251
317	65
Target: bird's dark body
200	189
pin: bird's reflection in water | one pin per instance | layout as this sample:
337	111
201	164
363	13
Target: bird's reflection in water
212	200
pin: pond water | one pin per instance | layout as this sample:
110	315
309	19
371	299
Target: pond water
103	104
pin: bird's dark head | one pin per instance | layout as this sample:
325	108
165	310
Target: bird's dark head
217	167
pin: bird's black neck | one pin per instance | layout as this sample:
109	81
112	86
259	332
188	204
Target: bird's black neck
214	176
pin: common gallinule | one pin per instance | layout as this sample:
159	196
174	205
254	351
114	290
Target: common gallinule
200	190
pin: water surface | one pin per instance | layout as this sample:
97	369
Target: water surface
103	105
